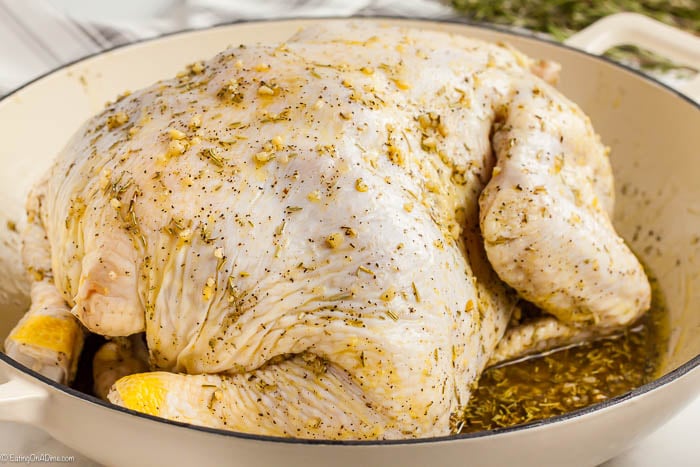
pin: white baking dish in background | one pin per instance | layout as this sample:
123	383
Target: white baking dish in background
654	133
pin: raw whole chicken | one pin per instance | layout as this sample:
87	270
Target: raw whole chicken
325	238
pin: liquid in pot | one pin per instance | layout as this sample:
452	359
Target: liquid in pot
558	382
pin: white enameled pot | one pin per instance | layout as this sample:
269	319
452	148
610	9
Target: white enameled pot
654	133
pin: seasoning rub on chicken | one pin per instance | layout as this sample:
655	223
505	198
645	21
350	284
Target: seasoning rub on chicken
316	236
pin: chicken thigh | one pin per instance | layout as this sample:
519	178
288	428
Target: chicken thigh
298	231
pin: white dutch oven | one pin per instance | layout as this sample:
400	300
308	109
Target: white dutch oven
654	133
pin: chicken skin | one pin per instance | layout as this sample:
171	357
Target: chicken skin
326	238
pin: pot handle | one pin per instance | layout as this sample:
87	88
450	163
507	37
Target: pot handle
640	30
21	401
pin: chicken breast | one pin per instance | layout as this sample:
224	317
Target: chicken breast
296	228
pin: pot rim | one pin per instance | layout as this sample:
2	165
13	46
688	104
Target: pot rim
655	384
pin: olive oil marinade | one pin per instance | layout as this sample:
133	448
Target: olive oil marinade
562	381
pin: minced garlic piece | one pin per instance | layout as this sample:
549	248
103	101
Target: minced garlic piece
197	68
454	230
116	204
229	92
117	120
367	70
209	288
424	121
360	185
123	95
277	142
558	164
319	104
263	157
408	207
432	187
401	84
195	121
314	196
185	234
219	253
176	134
388	295
176	147
432	121
395	155
261	67
266	90
428	143
334	240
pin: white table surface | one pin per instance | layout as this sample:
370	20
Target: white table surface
675	444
